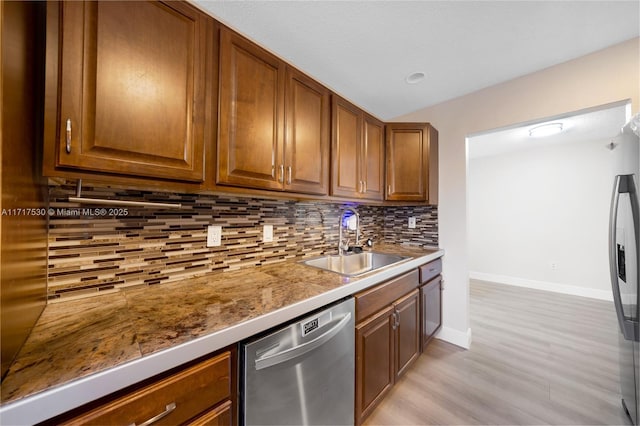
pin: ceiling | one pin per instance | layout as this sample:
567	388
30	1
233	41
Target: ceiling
364	50
584	126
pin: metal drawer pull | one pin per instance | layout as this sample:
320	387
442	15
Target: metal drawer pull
68	137
169	408
281	179
289	175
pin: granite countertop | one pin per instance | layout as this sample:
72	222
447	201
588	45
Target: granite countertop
84	349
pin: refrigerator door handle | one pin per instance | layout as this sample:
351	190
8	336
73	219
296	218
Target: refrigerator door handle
622	184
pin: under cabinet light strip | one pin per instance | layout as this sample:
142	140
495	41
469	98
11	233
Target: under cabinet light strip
107	202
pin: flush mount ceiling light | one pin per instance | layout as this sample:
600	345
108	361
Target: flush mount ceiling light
415	77
545	130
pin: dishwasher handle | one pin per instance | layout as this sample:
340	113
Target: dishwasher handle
296	351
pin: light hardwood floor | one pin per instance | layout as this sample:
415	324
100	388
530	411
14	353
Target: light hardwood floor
536	358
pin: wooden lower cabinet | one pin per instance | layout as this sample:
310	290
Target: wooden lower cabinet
219	416
430	301
387	341
431	310
202	393
407	338
374	361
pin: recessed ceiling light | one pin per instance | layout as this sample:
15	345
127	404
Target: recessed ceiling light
545	130
415	77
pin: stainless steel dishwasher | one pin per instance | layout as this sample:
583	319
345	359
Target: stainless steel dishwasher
302	373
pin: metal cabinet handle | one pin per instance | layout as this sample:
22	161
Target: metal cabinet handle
289	175
281	178
364	186
168	409
396	322
68	136
273	171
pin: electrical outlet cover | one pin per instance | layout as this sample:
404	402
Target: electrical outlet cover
267	233
412	222
214	235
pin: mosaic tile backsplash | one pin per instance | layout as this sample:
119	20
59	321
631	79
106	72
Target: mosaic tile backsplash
95	249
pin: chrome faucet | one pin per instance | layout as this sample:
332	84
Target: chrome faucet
342	247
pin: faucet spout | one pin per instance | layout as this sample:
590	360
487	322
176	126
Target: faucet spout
342	247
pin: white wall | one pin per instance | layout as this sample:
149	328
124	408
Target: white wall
603	77
539	217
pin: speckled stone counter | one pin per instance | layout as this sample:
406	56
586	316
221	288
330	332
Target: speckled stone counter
83	349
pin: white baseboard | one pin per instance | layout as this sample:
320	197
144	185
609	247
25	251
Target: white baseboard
456	337
544	285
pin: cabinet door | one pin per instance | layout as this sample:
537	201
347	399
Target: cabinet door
431	309
345	147
407	341
433	166
407	161
250	127
373	159
374	361
132	89
306	157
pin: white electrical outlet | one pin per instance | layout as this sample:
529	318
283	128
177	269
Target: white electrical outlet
214	235
553	265
267	233
412	222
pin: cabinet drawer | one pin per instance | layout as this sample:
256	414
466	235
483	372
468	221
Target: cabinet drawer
182	396
430	270
372	300
219	416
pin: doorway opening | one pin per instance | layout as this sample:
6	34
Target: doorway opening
538	206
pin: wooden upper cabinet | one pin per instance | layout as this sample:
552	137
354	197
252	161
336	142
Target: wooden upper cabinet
126	88
345	145
358	152
411	155
373	157
251	114
274	122
306	153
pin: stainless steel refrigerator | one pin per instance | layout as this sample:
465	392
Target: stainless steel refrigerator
624	259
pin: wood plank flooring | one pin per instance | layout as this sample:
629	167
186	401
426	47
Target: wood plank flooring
536	358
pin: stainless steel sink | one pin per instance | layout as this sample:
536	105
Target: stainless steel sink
354	264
